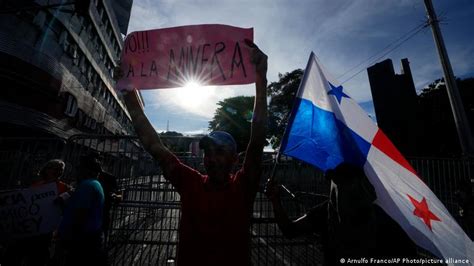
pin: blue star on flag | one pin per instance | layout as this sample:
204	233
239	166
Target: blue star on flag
337	92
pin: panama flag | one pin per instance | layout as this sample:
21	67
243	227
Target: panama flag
327	127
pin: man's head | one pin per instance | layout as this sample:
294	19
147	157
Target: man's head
89	166
220	154
52	170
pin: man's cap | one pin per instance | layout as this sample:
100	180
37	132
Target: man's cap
219	139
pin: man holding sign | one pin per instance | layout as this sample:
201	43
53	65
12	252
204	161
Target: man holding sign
217	207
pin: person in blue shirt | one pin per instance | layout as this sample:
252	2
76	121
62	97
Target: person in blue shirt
80	231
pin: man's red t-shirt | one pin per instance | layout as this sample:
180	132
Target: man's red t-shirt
215	222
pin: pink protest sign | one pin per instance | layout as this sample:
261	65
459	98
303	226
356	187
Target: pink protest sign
168	58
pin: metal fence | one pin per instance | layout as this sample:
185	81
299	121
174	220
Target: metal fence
144	225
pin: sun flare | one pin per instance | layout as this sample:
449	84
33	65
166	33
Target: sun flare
193	95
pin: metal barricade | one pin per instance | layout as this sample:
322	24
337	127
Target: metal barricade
445	176
22	158
144	225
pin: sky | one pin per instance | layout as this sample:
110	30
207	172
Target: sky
347	37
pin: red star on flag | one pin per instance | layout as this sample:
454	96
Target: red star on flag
422	211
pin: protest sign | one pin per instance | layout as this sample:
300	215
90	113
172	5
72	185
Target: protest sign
28	212
168	58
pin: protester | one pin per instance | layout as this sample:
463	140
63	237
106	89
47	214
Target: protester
52	172
350	224
111	194
217	207
39	246
34	250
80	231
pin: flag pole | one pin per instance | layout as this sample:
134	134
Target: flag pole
278	157
293	108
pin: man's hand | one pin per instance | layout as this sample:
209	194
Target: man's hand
258	58
130	96
116	198
117	73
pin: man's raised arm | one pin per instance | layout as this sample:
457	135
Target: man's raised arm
147	134
254	154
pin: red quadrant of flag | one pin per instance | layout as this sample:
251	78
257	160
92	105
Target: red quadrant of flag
384	144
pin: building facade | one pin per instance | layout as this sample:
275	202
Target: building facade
419	125
56	67
395	103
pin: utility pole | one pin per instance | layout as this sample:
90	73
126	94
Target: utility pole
460	118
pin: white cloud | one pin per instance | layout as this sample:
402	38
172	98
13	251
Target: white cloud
159	130
203	103
200	131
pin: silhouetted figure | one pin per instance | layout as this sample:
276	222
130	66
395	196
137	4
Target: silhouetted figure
216	207
111	196
35	250
350	224
80	231
52	171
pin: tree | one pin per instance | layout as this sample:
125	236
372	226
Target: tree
440	135
175	141
234	115
282	95
170	134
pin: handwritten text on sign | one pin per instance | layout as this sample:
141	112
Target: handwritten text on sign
28	212
172	57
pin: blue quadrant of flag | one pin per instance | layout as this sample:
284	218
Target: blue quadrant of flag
317	137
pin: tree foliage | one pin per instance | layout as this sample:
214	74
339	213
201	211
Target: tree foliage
282	95
175	141
170	134
440	135
234	115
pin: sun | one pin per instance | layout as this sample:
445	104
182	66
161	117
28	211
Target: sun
193	94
